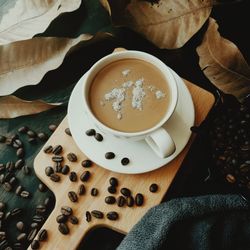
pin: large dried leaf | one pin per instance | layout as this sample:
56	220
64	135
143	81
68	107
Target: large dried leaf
12	107
223	63
25	63
168	23
29	17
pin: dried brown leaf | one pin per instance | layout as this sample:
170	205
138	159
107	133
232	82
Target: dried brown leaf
223	63
12	106
168	24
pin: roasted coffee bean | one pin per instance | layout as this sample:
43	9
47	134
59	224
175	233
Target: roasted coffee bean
65	210
16	211
35	244
73	176
19	189
20	153
32	234
21	237
7	215
81	190
3	244
8	176
13	180
17	143
38	218
48	149
57	158
7	186
85	176
55	177
63	228
34	225
230	178
87	163
139	199
73	196
49	171
10	166
112	215
40	209
94	191
125	161
61	218
113	181
2	206
32	140
2	139
20	226
52	127
109	155
19	164
1	215
73	220
67	131
31	133
42	235
2	235
72	157
23	129
42	136
126	192
88	216
58	167
18	246
65	169
57	150
153	188
47	202
90	132
42	187
98	137
26	170
8	141
25	194
2	167
130	201
112	189
97	214
110	200
2	178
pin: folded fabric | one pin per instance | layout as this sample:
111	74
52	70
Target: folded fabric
199	223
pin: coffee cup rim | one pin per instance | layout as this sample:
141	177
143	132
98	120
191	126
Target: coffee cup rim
130	54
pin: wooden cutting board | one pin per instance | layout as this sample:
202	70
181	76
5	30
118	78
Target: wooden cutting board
139	183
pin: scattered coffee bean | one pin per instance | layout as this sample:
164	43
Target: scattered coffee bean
21	237
67	131
90	132
8	141
52	127
42	235
32	234
19	164
2	178
72	196
7	186
63	228
121	201
26	170
31	133
42	136
112	215
125	161
17	143
87	163
49	171
38	218
3	244
109	155
113	181
126	192
94	191
10	166
48	149
55	177
16	211
23	129
20	226
18	246
61	218
13	180
8	176
153	188
139	199
1	215
2	139
7	215
98	137
57	150
72	157
112	189
65	169
20	153
97	214
32	140
110	200
2	206
81	190
57	158
130	201
47	202
25	194
85	176
35	244
58	167
40	209
19	189
42	187
65	210
34	225
88	216
73	176
73	220
2	167
230	178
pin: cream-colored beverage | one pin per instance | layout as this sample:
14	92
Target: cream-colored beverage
129	95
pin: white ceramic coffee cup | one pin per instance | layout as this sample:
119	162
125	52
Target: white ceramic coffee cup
156	137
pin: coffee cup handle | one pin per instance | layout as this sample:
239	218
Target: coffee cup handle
161	143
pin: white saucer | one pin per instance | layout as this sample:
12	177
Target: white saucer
142	158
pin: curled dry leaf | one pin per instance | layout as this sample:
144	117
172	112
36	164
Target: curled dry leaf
29	17
168	23
25	63
12	106
223	63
